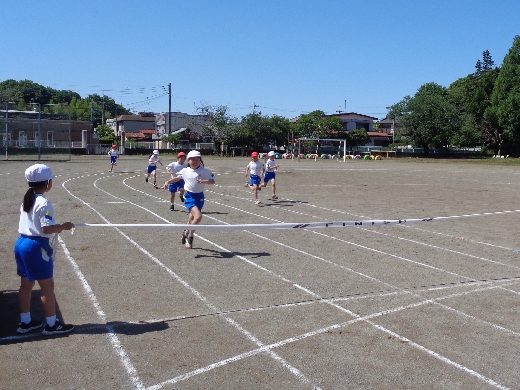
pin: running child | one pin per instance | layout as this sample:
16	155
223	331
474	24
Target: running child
270	173
113	153
173	169
256	170
195	176
152	166
34	254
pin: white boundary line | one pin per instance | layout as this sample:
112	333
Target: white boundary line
489	381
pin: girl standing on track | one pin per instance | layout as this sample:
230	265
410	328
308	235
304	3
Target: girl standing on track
152	166
270	174
113	153
256	170
173	169
34	254
195	176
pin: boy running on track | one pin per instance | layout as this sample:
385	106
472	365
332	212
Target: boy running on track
195	176
270	174
256	170
34	253
152	166
113	153
173	169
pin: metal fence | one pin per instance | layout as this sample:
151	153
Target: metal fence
34	132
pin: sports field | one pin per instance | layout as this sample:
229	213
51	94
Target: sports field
426	305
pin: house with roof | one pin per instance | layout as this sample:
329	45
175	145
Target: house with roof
179	122
132	123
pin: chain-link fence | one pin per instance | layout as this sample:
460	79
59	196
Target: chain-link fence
39	132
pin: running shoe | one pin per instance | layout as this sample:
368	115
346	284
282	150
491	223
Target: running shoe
24	328
189	242
258	202
274	197
58	328
184	236
146	180
182	198
172	207
246	185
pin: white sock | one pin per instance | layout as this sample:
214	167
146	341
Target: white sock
25	317
51	321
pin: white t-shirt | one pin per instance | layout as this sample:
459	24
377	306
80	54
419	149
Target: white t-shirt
270	165
255	167
113	152
174	168
40	215
190	176
153	160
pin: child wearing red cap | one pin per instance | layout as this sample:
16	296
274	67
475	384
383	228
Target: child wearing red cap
173	169
34	254
256	170
113	153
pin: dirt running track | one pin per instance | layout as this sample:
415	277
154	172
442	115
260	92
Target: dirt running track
430	305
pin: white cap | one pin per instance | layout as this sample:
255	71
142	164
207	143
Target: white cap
194	153
155	151
271	153
38	172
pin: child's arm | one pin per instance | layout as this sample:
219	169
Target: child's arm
172	180
57	228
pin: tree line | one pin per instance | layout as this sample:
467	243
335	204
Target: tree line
25	94
479	110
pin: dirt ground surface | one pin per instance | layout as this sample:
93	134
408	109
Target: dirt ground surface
428	305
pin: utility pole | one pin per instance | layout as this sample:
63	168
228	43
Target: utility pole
169	108
254	106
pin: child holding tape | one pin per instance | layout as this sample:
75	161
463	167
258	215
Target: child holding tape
195	176
34	254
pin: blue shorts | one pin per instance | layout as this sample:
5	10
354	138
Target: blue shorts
151	168
33	257
269	176
254	179
174	187
113	159
194	199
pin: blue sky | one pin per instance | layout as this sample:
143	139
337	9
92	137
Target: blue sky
286	56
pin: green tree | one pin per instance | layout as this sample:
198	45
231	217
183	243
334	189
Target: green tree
429	118
219	125
472	95
316	125
106	134
358	137
505	99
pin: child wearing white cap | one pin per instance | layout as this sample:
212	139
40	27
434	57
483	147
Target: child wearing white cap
34	254
195	176
152	166
270	173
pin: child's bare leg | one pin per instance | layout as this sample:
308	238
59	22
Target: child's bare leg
24	295
194	218
47	296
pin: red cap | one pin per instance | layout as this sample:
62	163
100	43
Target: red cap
114	146
180	154
254	154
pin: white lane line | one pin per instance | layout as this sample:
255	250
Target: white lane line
441	248
114	340
327	329
465	239
236	325
402	338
